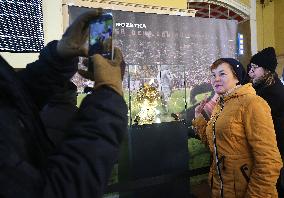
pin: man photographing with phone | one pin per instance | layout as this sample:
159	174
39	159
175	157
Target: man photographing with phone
30	166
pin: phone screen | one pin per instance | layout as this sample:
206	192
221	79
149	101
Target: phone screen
100	38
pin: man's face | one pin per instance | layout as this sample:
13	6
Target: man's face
255	72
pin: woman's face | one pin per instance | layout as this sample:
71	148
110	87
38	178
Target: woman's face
223	79
255	72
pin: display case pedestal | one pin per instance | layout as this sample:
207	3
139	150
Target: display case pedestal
156	150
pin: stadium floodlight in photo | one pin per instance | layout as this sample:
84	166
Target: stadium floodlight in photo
241	43
21	26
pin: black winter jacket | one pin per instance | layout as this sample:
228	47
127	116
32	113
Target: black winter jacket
81	166
60	112
274	96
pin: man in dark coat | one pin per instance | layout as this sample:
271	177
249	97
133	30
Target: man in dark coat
59	112
30	166
282	77
269	87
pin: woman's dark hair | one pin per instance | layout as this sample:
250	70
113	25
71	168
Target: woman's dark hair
219	62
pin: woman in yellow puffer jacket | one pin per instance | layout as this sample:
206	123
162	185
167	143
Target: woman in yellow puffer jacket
240	134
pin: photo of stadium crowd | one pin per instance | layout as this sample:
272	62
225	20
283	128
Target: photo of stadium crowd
171	55
167	53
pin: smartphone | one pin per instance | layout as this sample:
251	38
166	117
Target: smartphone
100	36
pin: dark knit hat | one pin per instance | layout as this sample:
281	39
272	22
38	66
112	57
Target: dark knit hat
266	58
238	69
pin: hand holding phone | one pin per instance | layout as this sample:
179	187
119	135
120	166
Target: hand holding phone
100	38
73	41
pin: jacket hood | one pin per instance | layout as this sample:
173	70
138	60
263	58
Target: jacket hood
243	90
14	93
8	83
12	89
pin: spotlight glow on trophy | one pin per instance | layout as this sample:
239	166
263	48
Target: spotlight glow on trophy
147	99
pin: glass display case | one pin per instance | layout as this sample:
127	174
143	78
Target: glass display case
154	93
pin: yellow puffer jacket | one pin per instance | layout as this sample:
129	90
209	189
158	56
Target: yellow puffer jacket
248	158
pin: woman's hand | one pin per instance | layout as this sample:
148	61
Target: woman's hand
200	107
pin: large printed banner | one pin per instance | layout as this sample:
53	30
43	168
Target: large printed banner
193	43
171	53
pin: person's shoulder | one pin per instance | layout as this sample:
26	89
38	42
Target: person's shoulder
279	84
251	103
274	91
252	99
